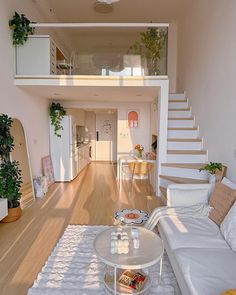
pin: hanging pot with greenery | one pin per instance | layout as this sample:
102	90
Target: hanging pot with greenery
10	174
151	45
57	113
20	25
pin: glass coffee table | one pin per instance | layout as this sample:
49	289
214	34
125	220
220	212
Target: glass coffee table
150	252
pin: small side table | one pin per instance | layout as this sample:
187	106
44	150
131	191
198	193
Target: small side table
150	252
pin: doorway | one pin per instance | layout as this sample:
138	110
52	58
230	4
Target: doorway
106	136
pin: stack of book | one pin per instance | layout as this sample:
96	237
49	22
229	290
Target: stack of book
132	280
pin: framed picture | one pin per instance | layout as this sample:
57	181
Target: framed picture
133	118
48	169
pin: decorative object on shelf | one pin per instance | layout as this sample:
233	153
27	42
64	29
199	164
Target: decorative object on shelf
57	113
214	170
48	170
132	216
10	174
20	25
151	45
133	119
139	148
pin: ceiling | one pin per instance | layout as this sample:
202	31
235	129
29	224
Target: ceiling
124	11
88	93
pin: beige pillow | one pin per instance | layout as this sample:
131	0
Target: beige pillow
222	199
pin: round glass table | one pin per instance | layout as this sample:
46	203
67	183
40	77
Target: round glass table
150	252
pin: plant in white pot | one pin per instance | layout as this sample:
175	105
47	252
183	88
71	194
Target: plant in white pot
214	170
10	174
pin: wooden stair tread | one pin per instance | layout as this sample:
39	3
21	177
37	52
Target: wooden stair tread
183	179
186	152
196	166
181	110
183	128
178	100
180	119
185	139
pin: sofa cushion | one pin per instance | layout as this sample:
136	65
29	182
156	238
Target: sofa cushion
229	183
228	227
186	232
207	271
188	197
221	200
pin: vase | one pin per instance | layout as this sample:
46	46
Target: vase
140	154
212	179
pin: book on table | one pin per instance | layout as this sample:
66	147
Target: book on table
132	280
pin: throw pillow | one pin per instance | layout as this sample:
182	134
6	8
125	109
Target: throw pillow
187	197
222	199
228	227
229	183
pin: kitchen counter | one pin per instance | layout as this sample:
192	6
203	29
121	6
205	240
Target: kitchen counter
83	144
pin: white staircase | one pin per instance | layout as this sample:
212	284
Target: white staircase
185	154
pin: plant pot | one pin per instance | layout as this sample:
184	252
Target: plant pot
13	215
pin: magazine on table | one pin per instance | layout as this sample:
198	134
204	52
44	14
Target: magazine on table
133	280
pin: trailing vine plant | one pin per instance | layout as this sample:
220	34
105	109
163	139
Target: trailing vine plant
20	25
151	45
57	113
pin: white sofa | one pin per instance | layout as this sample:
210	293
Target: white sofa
202	261
3	208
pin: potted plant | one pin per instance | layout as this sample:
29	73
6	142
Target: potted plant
151	45
20	25
10	174
57	113
213	169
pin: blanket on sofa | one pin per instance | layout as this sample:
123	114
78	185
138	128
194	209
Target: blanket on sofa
198	210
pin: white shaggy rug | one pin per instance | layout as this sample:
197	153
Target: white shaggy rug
74	269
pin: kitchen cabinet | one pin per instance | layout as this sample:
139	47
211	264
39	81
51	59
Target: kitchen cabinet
84	158
38	56
79	116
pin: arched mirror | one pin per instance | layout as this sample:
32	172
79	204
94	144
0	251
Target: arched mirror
20	154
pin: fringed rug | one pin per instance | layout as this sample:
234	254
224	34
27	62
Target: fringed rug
74	269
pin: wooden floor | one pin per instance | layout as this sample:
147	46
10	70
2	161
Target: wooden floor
92	198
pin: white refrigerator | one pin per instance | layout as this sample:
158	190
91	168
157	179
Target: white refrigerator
64	151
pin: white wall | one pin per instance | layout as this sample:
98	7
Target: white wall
31	111
127	138
207	71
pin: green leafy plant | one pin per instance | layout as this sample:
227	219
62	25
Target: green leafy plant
10	183
151	45
10	174
212	168
20	25
6	139
57	113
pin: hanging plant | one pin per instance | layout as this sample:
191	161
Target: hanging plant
151	45
20	25
57	113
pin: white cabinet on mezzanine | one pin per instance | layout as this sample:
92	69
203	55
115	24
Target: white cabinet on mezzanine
38	56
